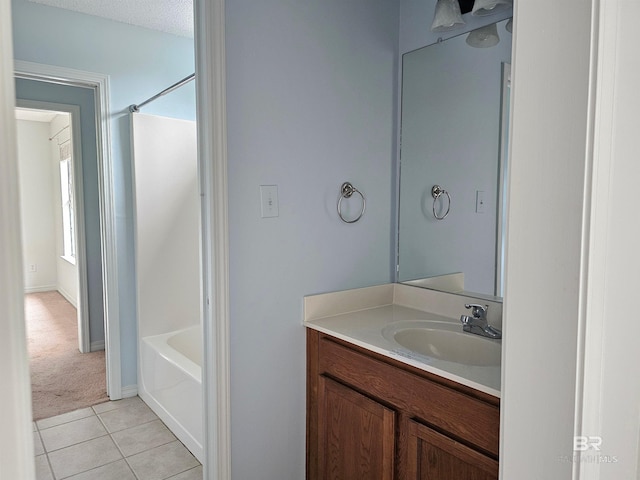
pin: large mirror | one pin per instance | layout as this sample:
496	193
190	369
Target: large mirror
454	135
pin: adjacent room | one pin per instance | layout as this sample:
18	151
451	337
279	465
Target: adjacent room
62	377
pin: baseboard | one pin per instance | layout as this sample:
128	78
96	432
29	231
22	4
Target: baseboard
129	391
53	288
96	346
71	300
44	288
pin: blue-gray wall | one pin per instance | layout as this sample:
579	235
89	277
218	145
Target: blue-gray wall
140	63
310	102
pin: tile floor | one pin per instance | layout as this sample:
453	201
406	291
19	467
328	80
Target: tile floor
121	440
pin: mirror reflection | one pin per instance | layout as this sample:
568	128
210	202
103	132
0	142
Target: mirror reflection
454	124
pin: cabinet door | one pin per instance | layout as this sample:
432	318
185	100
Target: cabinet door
356	435
433	456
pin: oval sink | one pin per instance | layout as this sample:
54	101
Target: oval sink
445	341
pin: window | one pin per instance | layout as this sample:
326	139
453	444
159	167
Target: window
66	190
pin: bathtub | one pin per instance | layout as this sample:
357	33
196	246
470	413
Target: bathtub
170	382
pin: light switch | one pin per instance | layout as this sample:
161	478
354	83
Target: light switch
269	200
479	201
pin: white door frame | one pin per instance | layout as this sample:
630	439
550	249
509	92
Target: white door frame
16	439
502	175
100	84
84	339
212	165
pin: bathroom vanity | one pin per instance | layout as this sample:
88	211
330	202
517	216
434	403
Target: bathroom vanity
403	382
378	410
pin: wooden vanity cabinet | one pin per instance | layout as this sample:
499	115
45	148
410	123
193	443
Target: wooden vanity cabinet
371	417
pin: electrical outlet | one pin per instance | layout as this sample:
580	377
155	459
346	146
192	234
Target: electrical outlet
269	200
33	268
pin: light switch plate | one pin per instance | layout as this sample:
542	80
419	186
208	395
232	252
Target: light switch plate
269	200
479	201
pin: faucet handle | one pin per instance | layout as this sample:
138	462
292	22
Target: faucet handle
477	311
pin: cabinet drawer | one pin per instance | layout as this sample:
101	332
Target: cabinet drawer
462	417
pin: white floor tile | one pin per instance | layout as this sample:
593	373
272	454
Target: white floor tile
193	474
67	434
113	471
143	437
84	456
43	471
79	447
64	418
38	448
114	405
162	462
126	417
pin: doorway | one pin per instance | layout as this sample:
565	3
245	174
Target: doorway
86	94
56	301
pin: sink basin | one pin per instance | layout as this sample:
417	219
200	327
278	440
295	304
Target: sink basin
444	341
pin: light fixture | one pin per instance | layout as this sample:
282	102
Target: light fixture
484	37
489	7
447	16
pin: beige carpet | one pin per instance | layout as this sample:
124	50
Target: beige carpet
62	378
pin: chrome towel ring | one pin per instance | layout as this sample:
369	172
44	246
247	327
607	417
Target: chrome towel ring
436	192
346	191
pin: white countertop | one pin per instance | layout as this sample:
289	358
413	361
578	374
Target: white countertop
359	316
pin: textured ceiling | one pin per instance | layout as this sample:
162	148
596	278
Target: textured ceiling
170	16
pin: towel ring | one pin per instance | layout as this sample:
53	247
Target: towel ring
346	191
436	192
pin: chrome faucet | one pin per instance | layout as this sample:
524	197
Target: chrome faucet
477	322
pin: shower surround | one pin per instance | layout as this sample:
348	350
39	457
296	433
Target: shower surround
167	240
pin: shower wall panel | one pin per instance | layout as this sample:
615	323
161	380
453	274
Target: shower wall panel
167	223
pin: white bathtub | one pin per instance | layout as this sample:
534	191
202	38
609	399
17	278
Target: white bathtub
170	382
